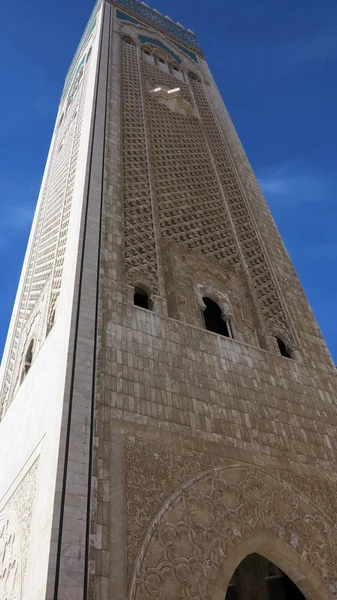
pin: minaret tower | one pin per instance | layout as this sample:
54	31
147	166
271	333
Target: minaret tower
168	404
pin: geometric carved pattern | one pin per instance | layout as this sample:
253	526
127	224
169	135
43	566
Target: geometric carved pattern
140	249
188	196
160	21
187	544
10	558
258	269
15	521
50	236
322	492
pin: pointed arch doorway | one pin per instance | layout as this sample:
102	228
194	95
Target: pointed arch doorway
257	578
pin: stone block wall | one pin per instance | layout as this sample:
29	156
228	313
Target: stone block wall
186	419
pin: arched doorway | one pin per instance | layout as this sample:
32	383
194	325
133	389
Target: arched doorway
206	529
257	578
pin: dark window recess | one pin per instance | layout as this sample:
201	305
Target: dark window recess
28	360
282	348
51	322
213	318
141	299
193	76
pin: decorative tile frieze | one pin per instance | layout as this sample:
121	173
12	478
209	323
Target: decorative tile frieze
160	21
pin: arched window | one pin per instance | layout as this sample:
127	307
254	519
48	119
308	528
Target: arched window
51	322
128	40
28	360
141	298
194	76
214	320
283	348
147	56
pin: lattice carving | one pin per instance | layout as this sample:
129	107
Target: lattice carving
188	196
203	522
258	268
140	248
50	237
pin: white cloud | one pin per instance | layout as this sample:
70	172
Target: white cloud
295	184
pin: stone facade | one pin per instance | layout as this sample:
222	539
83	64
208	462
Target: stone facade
225	435
178	451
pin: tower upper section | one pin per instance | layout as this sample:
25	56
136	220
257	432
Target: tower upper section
163	23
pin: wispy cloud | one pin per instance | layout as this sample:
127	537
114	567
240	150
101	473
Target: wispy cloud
292	184
303	202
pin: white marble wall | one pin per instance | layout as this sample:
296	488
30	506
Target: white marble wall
31	429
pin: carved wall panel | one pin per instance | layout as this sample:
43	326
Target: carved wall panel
15	522
186	270
147	488
258	268
188	196
10	557
322	492
204	520
140	248
50	237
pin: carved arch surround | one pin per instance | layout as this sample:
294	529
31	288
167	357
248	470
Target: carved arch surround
212	522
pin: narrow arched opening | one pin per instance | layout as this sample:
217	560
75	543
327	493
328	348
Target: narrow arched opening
214	320
257	578
51	322
141	298
28	360
283	348
193	76
128	40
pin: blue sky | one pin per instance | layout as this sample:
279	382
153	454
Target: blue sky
275	64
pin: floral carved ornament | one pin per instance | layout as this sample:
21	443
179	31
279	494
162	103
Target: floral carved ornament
198	529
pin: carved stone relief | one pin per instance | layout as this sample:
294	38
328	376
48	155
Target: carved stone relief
140	246
322	492
147	489
254	255
189	275
10	557
15	522
187	543
188	197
